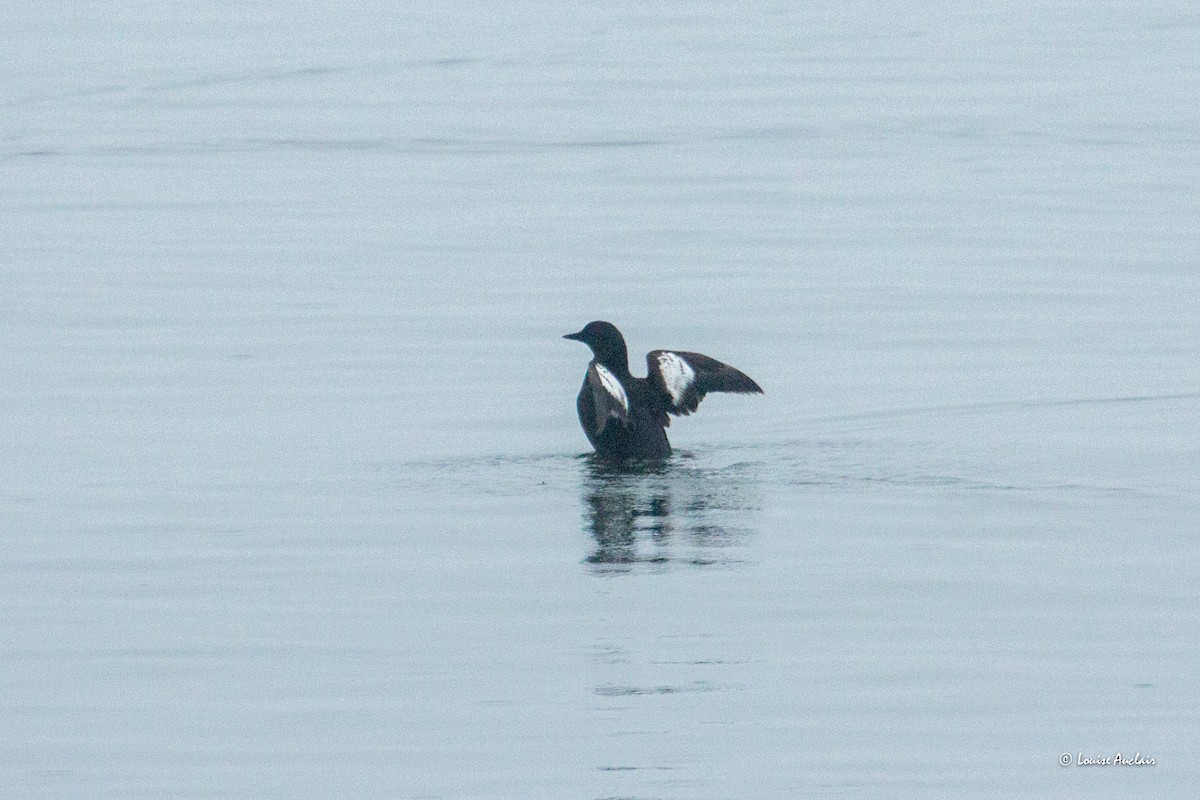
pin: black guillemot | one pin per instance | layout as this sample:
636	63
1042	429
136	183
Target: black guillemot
626	417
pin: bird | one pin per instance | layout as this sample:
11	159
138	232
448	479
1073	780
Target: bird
625	417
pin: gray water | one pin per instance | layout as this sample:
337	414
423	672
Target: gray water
294	500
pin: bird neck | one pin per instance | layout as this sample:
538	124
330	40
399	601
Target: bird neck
617	362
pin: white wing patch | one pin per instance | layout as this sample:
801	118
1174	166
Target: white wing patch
614	389
678	375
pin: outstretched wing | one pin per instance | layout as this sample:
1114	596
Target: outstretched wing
608	398
682	379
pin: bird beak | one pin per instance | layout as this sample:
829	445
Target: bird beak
578	337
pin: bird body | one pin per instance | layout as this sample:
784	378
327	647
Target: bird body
626	417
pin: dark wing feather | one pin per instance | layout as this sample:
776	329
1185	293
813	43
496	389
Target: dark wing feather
682	379
609	400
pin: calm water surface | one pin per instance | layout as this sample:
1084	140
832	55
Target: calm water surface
295	503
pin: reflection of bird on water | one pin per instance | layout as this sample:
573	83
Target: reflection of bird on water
615	503
626	417
646	515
